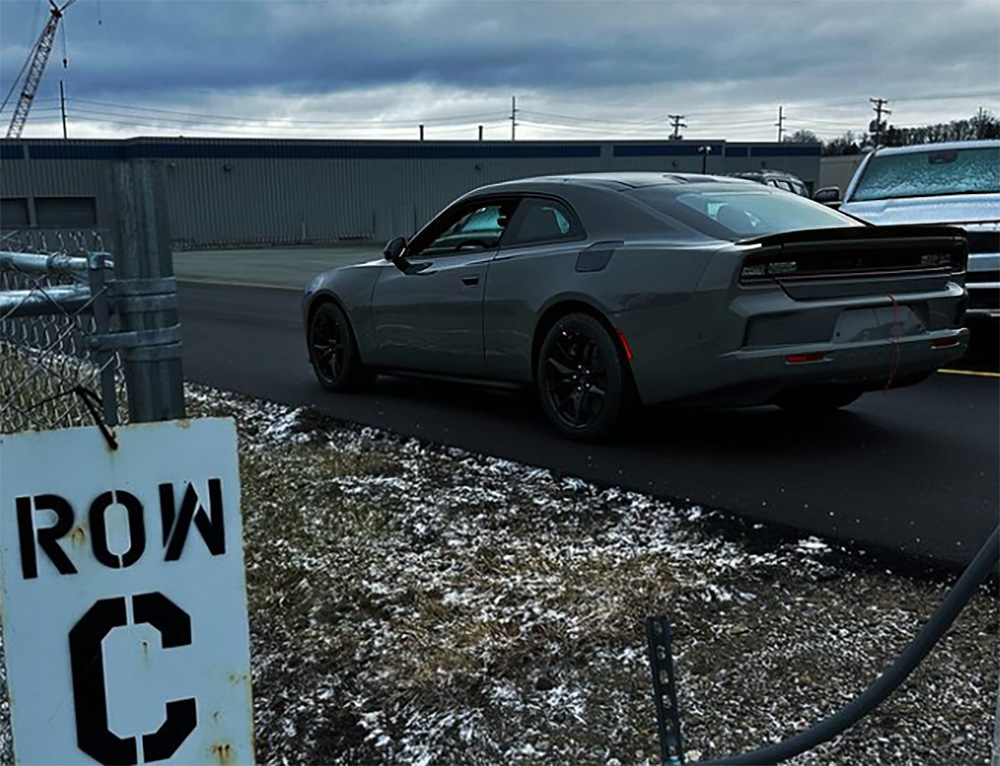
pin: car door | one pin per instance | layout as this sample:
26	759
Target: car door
540	251
428	317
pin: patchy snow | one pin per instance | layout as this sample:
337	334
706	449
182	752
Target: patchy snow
420	604
416	604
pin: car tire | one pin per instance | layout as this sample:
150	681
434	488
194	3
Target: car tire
333	351
581	378
818	399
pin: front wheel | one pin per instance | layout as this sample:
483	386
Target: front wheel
333	351
581	377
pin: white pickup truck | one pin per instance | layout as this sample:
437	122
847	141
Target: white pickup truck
954	183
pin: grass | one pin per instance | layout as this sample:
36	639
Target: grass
419	604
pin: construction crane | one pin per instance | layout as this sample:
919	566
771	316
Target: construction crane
35	67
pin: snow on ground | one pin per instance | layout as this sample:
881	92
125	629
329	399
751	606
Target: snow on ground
417	604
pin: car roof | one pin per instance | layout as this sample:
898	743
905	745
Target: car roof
941	147
611	181
765	174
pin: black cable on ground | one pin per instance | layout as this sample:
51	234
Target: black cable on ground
894	675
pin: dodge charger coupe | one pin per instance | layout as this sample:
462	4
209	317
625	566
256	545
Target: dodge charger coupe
611	289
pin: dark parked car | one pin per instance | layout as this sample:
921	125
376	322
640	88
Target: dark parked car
776	178
601	289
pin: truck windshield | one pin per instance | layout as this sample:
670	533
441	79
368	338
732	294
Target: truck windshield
930	173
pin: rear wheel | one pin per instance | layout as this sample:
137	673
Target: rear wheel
581	377
818	399
333	351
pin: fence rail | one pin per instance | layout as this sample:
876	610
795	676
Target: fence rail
71	319
53	308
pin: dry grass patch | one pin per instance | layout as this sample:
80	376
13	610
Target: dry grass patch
422	605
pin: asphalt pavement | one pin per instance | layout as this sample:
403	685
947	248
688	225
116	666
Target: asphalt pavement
913	470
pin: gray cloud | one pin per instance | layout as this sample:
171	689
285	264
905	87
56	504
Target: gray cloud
621	57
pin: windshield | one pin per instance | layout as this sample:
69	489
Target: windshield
734	215
930	173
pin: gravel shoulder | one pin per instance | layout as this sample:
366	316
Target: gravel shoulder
416	604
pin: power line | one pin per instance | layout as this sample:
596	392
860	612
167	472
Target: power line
93	117
232	118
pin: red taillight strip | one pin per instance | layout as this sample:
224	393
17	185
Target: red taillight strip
625	345
945	342
799	358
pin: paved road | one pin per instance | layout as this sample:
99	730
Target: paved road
915	470
273	266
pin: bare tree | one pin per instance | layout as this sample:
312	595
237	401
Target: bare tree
802	137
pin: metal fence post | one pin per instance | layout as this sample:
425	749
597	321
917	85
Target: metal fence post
97	262
145	293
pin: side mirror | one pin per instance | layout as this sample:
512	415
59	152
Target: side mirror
393	251
827	194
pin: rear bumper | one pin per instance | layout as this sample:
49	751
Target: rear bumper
758	376
868	362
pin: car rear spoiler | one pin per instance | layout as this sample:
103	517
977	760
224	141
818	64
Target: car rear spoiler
867	234
855	251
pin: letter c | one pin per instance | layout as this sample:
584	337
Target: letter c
90	698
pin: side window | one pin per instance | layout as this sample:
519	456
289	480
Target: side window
784	185
542	220
469	229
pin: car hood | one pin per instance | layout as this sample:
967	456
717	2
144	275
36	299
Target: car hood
959	208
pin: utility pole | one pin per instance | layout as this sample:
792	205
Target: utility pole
780	124
480	132
676	119
62	104
421	132
877	124
513	116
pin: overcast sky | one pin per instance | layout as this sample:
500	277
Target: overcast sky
580	69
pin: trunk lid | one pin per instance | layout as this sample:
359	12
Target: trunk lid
854	261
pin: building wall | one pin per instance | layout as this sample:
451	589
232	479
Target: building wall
838	171
230	192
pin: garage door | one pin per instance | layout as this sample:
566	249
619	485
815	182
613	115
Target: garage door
66	212
14	213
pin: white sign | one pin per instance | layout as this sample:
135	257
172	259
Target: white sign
124	600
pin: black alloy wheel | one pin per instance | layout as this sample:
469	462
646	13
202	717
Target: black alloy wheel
333	351
581	377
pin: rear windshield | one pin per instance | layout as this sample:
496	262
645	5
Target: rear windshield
735	215
929	174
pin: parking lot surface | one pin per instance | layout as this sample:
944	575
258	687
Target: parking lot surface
912	470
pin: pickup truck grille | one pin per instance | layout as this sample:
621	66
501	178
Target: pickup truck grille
982	276
983	241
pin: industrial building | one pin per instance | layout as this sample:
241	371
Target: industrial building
228	192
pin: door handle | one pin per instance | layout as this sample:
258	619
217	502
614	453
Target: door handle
471	280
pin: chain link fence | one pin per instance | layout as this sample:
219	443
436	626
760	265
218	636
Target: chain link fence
55	304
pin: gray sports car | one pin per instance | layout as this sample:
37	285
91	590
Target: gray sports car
603	290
